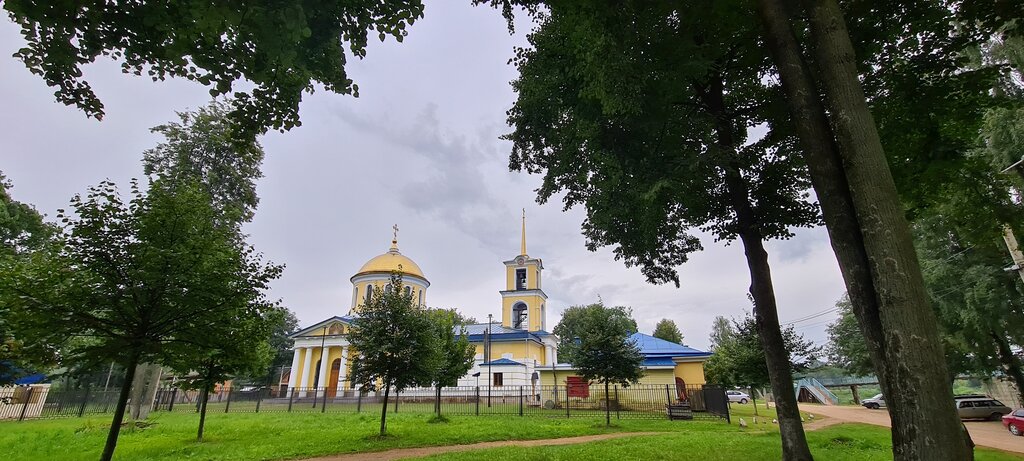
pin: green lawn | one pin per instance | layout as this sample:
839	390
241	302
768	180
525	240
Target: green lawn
266	436
271	436
843	442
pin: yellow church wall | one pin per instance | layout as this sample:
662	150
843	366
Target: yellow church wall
692	373
518	349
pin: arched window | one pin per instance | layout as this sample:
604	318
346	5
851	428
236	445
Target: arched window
421	297
387	288
408	291
369	294
519	316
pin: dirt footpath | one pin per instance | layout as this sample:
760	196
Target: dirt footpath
984	433
402	453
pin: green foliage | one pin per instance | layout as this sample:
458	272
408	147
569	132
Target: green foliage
22	232
136	282
574	320
666	329
283	48
201	148
738	358
597	344
620	124
453	346
397	343
846	346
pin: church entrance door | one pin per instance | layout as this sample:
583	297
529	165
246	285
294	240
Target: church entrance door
332	386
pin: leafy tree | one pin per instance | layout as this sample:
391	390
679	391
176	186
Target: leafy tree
280	343
201	148
846	348
574	320
131	278
666	329
601	348
22	232
980	306
455	351
243	348
721	331
739	361
653	146
397	344
843	108
283	48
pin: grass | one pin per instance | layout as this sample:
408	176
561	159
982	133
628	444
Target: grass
273	436
842	442
268	436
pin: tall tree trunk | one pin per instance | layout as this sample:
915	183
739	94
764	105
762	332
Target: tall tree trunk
1011	363
138	390
753	400
203	399
766	316
122	403
437	402
918	398
384	408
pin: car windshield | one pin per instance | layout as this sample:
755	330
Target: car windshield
877	397
998	403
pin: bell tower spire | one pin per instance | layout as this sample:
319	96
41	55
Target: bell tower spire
522	246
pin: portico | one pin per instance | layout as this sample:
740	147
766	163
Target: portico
321	359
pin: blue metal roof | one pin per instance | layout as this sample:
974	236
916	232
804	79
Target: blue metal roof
659	362
652	347
500	333
502	362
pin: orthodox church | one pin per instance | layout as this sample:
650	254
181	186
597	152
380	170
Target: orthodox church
517	351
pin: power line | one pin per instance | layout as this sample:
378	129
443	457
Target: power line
812	316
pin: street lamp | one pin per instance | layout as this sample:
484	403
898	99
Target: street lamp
490	376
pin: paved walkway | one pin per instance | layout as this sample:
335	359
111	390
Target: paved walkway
402	453
984	433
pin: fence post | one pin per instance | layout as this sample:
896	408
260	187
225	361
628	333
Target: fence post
259	398
227	406
359	401
567	400
668	396
323	408
174	395
28	398
291	396
520	400
396	401
478	400
81	409
618	404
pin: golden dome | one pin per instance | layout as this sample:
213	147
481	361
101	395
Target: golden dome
391	261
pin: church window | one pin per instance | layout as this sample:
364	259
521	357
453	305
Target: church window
369	293
335	329
520	279
408	291
421	297
519	316
387	288
498	380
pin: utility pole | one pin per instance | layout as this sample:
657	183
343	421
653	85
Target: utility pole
490	377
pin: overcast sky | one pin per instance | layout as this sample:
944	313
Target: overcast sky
419	148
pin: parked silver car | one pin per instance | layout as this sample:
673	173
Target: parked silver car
981	408
875	402
737	396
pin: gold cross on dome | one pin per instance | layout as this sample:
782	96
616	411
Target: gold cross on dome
395	228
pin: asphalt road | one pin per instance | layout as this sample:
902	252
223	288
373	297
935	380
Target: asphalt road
984	433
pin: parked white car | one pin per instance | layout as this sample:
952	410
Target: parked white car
737	396
875	402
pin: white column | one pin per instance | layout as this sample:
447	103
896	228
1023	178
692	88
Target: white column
304	381
549	355
343	374
324	366
294	376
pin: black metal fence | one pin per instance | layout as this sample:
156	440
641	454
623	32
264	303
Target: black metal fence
633	402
